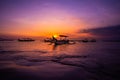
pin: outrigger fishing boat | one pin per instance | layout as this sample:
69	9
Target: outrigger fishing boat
26	40
62	40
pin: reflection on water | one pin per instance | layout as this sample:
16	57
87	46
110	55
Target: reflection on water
42	61
42	47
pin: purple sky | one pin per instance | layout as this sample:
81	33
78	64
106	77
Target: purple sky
20	15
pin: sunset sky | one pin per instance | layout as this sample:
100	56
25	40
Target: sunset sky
47	17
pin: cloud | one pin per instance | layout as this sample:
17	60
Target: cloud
110	32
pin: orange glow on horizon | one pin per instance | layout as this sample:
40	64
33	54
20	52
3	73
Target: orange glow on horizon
61	23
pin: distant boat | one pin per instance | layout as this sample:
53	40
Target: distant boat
26	40
86	40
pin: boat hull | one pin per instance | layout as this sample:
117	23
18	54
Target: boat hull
20	40
60	42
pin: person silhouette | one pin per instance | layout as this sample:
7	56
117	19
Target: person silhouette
54	39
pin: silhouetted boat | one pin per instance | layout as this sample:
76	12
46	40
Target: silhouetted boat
59	42
26	40
63	40
85	40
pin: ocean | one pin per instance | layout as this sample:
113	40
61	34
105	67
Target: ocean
40	60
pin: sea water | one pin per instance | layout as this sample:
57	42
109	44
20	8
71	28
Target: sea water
40	60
